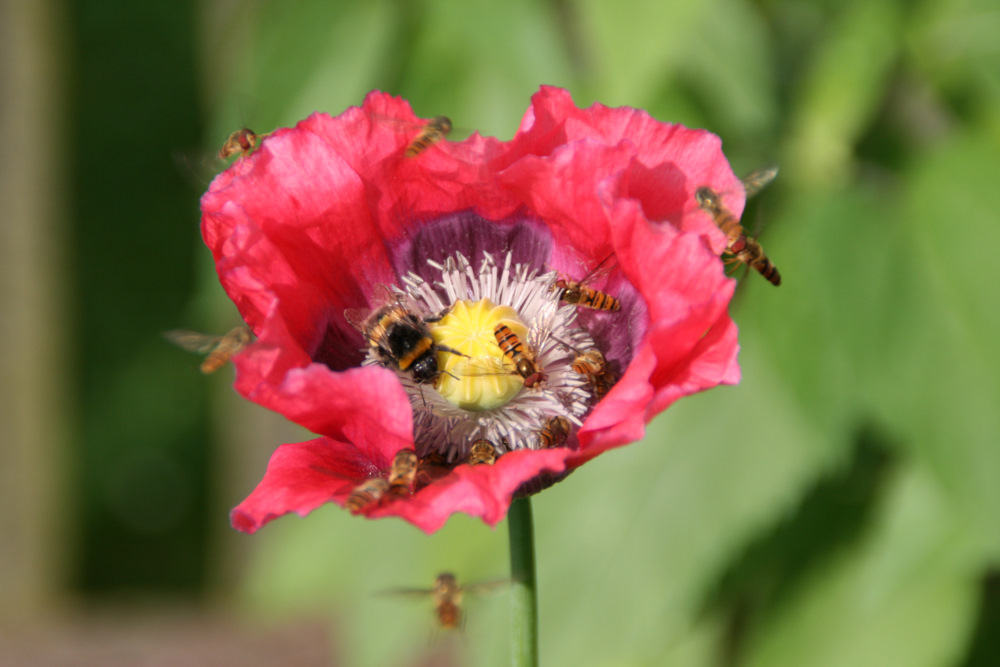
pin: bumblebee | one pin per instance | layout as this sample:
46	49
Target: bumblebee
399	338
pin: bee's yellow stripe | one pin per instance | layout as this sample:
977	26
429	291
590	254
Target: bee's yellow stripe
414	354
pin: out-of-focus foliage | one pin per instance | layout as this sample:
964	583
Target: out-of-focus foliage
839	506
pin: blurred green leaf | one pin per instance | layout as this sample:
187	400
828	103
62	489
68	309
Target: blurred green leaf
636	44
902	598
954	43
951	204
842	90
318	56
728	64
480	62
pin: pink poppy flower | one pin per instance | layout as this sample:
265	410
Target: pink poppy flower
331	219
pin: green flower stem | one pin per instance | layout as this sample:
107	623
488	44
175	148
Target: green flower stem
524	599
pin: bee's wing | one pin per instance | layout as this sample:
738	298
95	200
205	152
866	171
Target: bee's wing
404	592
483	588
238	336
759	179
192	341
603	268
381	295
487	366
357	318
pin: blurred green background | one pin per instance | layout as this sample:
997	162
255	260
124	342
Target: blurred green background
839	507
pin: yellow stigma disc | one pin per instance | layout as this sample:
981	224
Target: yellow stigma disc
484	380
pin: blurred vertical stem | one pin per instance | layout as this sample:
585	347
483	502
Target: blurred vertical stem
524	600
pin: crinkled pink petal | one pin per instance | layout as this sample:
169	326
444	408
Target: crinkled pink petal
480	491
341	405
672	161
302	476
680	280
562	189
285	220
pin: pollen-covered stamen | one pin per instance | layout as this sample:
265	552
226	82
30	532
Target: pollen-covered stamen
483	396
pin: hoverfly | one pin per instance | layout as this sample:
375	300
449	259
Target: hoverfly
519	355
592	365
403	472
447	596
483	452
554	433
742	247
579	294
367	493
242	141
217	349
431	133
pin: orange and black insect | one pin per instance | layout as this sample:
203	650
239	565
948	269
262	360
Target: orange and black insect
554	433
517	353
592	365
742	247
447	596
399	338
403	472
431	468
579	294
430	134
367	493
217	349
242	141
483	452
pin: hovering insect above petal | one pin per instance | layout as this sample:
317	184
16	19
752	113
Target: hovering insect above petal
218	349
242	141
431	133
742	247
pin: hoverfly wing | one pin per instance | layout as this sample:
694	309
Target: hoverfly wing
404	592
192	341
487	588
759	179
599	271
